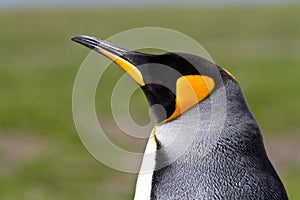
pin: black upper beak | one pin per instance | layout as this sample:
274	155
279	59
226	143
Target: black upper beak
119	55
96	44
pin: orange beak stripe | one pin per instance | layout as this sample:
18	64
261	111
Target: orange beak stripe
126	66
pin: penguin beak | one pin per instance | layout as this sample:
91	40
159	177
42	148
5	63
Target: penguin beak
116	54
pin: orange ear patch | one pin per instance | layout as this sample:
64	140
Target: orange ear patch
190	90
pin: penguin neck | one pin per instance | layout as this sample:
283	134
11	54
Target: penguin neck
198	130
190	142
207	151
200	127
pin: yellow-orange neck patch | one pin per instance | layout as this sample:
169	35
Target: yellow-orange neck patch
190	90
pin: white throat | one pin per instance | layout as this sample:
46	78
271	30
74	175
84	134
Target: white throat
144	181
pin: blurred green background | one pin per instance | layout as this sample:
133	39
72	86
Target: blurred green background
41	155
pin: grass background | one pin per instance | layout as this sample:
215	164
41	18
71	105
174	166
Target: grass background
41	156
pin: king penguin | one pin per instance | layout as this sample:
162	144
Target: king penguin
206	143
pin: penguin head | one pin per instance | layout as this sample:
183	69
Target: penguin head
171	82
